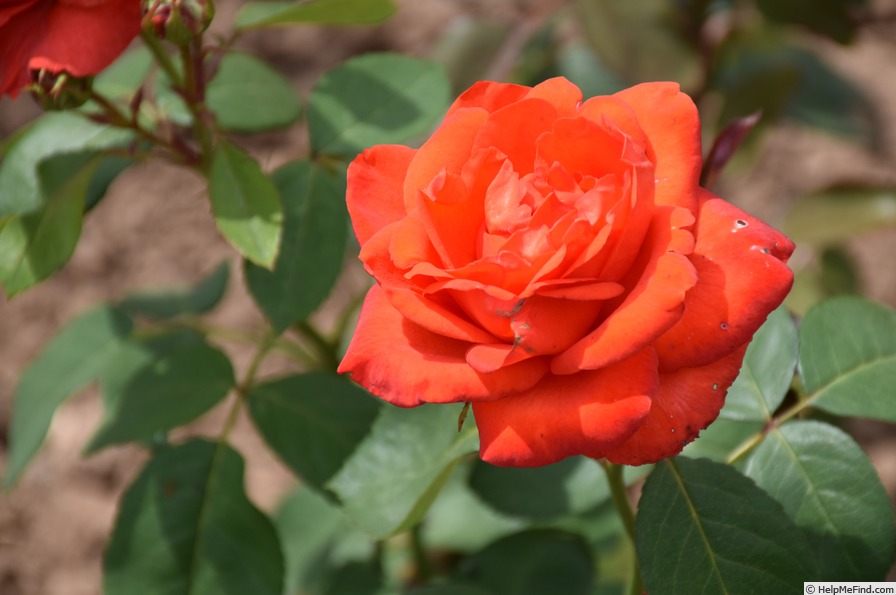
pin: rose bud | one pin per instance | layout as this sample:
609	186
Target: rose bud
51	36
59	91
178	21
556	263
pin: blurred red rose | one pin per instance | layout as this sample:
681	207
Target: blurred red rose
556	263
80	37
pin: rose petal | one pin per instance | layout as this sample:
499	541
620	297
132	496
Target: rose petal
562	94
375	188
687	401
407	365
742	276
21	27
429	313
448	149
514	129
562	416
489	95
452	219
669	119
85	37
652	306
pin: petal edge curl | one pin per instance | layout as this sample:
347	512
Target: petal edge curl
563	416
407	365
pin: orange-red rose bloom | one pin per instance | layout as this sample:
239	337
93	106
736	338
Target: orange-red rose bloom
80	37
556	263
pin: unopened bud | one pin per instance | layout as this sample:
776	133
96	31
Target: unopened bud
56	91
178	21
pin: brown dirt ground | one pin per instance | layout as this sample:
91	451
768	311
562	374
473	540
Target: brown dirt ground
154	229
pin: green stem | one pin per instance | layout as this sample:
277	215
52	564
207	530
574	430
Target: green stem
291	349
194	89
329	360
243	388
424	567
161	56
754	440
119	119
623	507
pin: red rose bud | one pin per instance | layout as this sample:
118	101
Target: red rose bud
178	21
555	262
56	91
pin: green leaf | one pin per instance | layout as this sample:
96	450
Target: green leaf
568	487
136	354
533	562
721	438
106	171
320	12
312	249
22	189
702	527
394	475
848	358
245	204
74	358
244	81
450	589
767	371
308	525
460	521
363	576
170	391
162	305
314	422
829	489
34	246
186	527
840	213
124	76
373	99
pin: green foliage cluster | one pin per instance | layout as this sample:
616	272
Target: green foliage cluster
774	493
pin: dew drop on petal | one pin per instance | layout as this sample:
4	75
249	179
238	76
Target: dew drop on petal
715	387
724	326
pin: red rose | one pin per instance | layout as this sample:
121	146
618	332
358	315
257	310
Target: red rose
80	37
556	263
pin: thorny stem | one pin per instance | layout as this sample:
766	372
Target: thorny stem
624	508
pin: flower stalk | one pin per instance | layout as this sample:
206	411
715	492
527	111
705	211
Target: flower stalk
623	507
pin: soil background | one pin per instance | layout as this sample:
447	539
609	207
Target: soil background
154	229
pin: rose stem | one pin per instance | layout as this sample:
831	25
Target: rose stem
624	508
